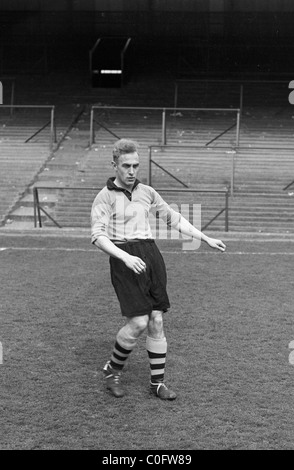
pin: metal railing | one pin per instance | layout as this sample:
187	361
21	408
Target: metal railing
238	82
181	81
225	209
51	122
163	111
232	150
38	209
288	186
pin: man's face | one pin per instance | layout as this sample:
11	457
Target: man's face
127	169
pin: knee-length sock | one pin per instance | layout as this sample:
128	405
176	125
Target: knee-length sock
157	349
123	347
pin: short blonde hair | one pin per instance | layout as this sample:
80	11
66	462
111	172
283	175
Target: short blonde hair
123	146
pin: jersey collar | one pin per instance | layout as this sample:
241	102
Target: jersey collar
112	186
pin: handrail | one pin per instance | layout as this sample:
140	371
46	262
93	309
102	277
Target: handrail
154	108
163	122
51	122
38	208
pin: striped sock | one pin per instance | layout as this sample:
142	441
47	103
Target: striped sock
156	349
119	356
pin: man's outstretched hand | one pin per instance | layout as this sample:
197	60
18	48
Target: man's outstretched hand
217	244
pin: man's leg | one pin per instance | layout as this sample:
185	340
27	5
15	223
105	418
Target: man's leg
156	346
126	340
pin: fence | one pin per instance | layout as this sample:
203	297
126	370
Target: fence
224	192
38	207
235	90
163	119
51	122
151	161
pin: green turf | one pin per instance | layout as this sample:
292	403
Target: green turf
228	333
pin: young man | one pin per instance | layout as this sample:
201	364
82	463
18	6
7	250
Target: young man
120	228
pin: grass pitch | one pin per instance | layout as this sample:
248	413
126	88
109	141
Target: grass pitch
228	334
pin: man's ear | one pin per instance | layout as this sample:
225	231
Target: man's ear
114	165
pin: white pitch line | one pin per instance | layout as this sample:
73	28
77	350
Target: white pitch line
179	252
36	248
228	253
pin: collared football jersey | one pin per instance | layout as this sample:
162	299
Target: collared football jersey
121	215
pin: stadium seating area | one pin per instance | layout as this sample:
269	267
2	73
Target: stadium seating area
200	153
19	162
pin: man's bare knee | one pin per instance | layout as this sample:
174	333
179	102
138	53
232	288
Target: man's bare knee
155	325
137	325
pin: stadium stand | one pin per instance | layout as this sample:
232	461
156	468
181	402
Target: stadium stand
19	160
263	164
26	148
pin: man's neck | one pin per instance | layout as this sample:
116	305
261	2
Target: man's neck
119	184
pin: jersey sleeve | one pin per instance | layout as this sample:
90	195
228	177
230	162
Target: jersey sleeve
100	215
165	212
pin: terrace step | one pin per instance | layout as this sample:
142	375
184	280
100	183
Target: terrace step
260	174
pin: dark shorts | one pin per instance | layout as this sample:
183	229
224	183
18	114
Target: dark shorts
139	294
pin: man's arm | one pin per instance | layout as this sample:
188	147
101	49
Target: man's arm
177	221
132	262
188	229
100	216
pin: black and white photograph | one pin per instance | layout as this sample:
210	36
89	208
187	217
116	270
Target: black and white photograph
146	227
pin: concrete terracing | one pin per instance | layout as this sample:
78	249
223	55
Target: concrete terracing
260	168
